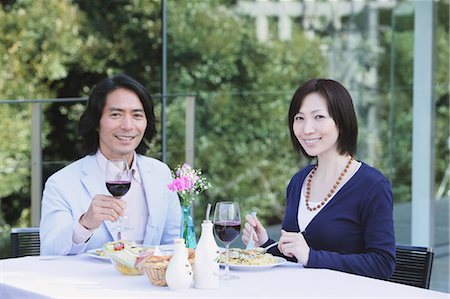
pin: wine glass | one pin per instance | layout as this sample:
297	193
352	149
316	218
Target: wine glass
227	226
118	182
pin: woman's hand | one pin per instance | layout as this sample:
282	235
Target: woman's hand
103	207
294	244
259	232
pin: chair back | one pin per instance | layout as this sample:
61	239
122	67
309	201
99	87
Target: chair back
414	266
25	241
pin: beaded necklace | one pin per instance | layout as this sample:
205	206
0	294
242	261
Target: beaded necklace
333	189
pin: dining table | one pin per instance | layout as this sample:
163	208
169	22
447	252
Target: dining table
85	276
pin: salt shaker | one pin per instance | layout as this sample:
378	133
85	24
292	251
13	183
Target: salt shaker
206	259
179	274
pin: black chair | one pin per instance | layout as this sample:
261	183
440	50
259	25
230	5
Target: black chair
25	241
413	266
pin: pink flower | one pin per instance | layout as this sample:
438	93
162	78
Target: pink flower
188	183
181	184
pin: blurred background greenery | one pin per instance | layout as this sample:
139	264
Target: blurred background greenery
243	86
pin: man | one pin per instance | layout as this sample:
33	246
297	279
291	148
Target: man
78	212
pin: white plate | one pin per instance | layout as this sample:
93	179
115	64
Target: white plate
165	250
280	261
93	253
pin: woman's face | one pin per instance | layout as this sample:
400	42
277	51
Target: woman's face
314	128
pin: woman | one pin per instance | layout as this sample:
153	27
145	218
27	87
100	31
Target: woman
338	210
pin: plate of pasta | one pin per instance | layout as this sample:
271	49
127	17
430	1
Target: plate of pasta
250	259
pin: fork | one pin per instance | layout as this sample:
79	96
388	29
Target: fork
251	243
264	250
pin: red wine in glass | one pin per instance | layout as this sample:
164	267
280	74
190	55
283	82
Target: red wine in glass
227	231
227	226
118	188
118	182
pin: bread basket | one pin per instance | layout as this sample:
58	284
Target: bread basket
156	266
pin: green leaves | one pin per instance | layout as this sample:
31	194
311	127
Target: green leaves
243	88
37	44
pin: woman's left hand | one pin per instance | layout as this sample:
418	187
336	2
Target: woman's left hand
294	244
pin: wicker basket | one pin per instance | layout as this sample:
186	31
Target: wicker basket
156	266
156	272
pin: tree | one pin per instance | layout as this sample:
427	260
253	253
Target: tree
401	139
37	44
213	53
244	88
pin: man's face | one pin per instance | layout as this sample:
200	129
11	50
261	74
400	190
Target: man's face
122	125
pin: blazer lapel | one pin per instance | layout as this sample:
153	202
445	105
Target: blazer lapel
154	195
94	182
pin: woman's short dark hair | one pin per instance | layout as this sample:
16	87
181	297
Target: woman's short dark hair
340	107
90	120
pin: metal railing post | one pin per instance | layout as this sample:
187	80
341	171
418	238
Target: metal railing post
36	163
163	79
190	131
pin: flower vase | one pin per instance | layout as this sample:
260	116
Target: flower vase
187	227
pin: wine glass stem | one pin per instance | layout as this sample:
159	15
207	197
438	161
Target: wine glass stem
120	224
227	266
120	227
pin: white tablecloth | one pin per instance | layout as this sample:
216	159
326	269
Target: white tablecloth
83	276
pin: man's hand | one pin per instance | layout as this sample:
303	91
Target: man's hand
102	208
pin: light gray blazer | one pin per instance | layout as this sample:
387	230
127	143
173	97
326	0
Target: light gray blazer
69	192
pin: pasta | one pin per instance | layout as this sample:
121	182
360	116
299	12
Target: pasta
252	257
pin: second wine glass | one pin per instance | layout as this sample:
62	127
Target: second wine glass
118	182
227	227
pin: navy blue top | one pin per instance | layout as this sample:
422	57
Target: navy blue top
354	232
